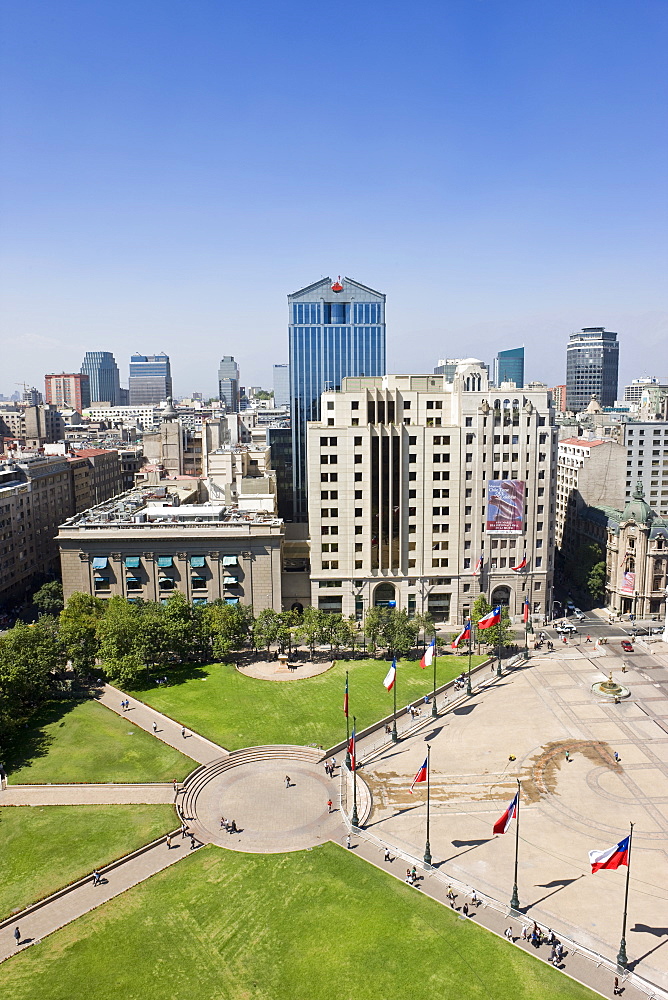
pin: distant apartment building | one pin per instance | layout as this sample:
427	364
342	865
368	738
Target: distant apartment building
30	426
32	397
103	375
559	398
155	540
415	480
647	461
592	360
228	384
590	474
336	329
105	477
143	417
281	386
509	367
150	379
633	392
36	493
68	391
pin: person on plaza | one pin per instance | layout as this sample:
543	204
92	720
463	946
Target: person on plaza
508	933
616	990
617	757
183	732
287	781
184	830
348	844
588	639
233	827
524	932
568	757
388	856
96	877
475	899
223	822
17	935
155	726
465	910
193	842
329	805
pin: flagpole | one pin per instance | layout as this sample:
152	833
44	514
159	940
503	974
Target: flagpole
499	671
347	727
622	960
434	710
515	899
469	689
427	850
526	627
354	819
395	738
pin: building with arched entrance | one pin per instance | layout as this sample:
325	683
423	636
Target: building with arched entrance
636	559
425	491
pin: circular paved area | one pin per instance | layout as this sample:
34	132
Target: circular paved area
272	818
270	670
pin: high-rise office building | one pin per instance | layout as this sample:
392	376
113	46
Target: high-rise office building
592	359
425	493
281	385
150	379
103	375
336	329
68	390
509	367
228	383
633	392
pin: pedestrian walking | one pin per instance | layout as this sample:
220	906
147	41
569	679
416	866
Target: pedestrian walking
524	932
568	756
465	910
287	781
588	639
508	933
122	704
617	757
193	842
329	805
348	844
388	856
184	830
17	935
155	726
183	732
169	842
616	991
96	877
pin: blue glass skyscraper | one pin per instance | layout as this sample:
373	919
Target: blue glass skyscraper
150	379
509	367
103	377
335	329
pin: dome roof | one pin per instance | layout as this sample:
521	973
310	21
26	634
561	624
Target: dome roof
594	406
170	413
637	509
467	362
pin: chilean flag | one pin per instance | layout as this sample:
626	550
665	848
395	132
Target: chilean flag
420	776
351	750
493	618
428	657
502	824
525	614
612	858
464	634
520	566
345	700
478	566
391	675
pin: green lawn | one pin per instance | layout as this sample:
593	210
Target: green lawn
84	741
318	925
237	711
45	848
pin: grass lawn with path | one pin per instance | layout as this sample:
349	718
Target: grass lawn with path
322	925
236	710
85	742
45	848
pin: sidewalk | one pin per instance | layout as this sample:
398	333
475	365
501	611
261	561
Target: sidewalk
63	907
575	965
86	795
139	714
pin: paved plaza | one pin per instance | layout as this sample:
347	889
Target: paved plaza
534	714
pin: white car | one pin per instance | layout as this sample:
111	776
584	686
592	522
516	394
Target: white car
566	629
578	614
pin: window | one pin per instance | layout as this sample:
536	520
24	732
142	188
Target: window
469	421
102	583
358	512
330	404
357	442
358	460
355	405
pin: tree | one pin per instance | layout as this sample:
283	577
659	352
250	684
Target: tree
480	608
228	626
78	623
596	581
49	598
400	632
311	627
118	632
501	634
29	657
375	621
125	670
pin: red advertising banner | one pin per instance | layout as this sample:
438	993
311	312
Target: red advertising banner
628	583
505	506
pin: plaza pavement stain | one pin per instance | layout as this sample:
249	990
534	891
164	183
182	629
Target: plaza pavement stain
542	775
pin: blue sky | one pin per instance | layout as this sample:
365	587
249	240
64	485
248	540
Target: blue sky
169	171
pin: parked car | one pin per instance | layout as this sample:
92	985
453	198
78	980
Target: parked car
627	646
566	629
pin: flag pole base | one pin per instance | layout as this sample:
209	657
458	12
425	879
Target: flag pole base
622	960
354	819
348	759
469	689
499	671
427	854
395	738
434	710
515	899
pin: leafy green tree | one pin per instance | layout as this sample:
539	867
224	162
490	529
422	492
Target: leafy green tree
596	581
501	634
228	626
78	623
311	628
29	657
125	670
400	632
480	608
118	631
49	598
375	623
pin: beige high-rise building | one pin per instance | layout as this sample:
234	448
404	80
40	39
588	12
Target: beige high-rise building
400	472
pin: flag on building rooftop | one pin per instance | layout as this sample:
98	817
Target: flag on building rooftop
510	814
612	858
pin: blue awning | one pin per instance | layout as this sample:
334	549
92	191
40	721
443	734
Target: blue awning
132	579
165	561
230	581
230	560
199	600
132	562
231	600
197	561
100	562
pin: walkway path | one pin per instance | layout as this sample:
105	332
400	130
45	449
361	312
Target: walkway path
86	795
61	908
170	732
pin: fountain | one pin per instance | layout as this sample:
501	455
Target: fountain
610	689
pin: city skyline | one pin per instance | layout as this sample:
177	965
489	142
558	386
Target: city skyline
475	196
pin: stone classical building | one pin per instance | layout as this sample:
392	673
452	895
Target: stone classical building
400	471
152	541
637	559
